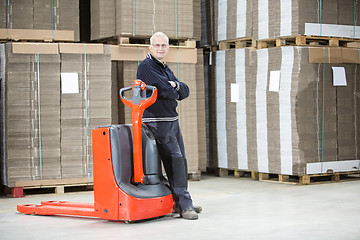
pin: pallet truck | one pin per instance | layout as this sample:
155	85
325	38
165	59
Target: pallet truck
128	185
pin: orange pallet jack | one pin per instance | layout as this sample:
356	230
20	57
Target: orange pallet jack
127	183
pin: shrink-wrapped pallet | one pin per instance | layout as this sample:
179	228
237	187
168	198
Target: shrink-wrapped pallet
277	112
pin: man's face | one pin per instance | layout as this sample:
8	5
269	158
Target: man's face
159	47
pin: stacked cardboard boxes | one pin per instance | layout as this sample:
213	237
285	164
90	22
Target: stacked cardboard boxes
273	19
141	20
267	19
53	95
41	14
17	14
278	112
265	124
46	115
102	19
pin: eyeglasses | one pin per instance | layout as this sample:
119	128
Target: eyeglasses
160	45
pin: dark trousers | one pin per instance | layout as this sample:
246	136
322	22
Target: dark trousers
172	153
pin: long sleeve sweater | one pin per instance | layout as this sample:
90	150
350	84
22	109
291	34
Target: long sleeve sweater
153	72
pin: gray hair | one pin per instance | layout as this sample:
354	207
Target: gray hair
159	34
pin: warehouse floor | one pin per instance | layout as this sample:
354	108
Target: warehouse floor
233	208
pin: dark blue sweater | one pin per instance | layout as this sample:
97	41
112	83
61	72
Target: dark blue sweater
153	72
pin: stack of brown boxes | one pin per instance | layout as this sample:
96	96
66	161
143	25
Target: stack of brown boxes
267	19
49	115
141	20
291	112
40	14
46	102
269	107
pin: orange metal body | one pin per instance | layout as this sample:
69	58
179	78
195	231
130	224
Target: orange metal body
110	201
59	208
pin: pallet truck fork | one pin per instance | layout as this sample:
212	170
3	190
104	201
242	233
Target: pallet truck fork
127	183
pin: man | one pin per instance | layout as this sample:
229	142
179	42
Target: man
162	120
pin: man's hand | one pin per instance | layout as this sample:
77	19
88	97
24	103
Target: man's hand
172	83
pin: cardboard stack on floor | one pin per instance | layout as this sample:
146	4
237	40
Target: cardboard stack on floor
277	119
86	108
54	94
48	114
271	114
40	14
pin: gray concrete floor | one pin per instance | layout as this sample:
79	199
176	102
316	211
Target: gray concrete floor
233	208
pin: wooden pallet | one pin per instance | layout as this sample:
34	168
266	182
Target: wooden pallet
58	186
194	176
17	192
290	179
245	42
223	172
311	178
301	40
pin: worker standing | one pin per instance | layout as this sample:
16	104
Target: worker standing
162	120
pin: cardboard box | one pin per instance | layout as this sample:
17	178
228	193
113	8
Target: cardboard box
124	18
40	20
333	55
44	127
139	52
305	119
270	19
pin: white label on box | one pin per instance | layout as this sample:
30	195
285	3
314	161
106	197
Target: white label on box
274	81
69	83
339	76
234	92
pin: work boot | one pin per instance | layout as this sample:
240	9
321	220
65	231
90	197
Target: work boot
197	209
189	214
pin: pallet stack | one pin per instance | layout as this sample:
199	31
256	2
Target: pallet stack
267	19
53	95
277	111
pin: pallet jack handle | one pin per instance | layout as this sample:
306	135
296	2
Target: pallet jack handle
138	103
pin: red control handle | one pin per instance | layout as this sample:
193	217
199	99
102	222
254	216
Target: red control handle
138	103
